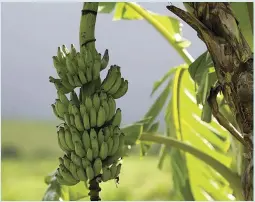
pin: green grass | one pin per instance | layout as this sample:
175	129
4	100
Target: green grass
139	180
23	178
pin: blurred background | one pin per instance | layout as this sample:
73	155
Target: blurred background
31	33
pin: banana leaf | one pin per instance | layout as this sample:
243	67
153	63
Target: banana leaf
183	118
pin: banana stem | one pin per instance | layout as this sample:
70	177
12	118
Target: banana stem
94	190
162	30
87	25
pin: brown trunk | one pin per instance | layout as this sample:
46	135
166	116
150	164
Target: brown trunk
233	61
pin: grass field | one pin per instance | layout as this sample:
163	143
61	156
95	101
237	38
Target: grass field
36	144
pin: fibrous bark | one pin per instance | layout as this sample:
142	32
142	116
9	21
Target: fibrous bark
217	26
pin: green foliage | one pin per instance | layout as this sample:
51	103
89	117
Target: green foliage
244	13
193	179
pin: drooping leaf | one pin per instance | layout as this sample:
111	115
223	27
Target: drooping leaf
158	83
212	165
244	13
57	192
106	7
133	133
157	106
169	27
125	13
199	66
210	138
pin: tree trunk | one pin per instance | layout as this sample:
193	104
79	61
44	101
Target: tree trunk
233	61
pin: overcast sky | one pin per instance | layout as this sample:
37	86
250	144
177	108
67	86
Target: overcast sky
31	33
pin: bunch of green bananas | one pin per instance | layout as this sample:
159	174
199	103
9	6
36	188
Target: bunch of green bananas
90	135
75	69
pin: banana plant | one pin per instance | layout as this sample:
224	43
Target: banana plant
204	157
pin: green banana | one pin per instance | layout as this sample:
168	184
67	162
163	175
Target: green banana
100	136
90	155
96	69
107	133
66	162
116	131
82	77
101	117
77	81
117	118
62	181
110	79
106	174
55	112
81	63
93	117
94	143
76	136
66	84
74	98
110	145
105	60
85	162
97	166
67	119
86	140
103	96
76	159
70	79
73	170
68	139
86	121
90	172
81	174
79	150
67	175
117	67
121	140
122	90
60	68
72	119
59	86
82	109
113	170
115	145
115	87
111	129
75	110
118	171
112	108
65	50
62	97
106	109
61	161
96	101
103	151
61	108
61	56
73	51
70	66
88	103
78	122
89	74
61	140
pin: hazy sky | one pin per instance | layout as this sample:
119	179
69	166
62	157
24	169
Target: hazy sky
31	33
